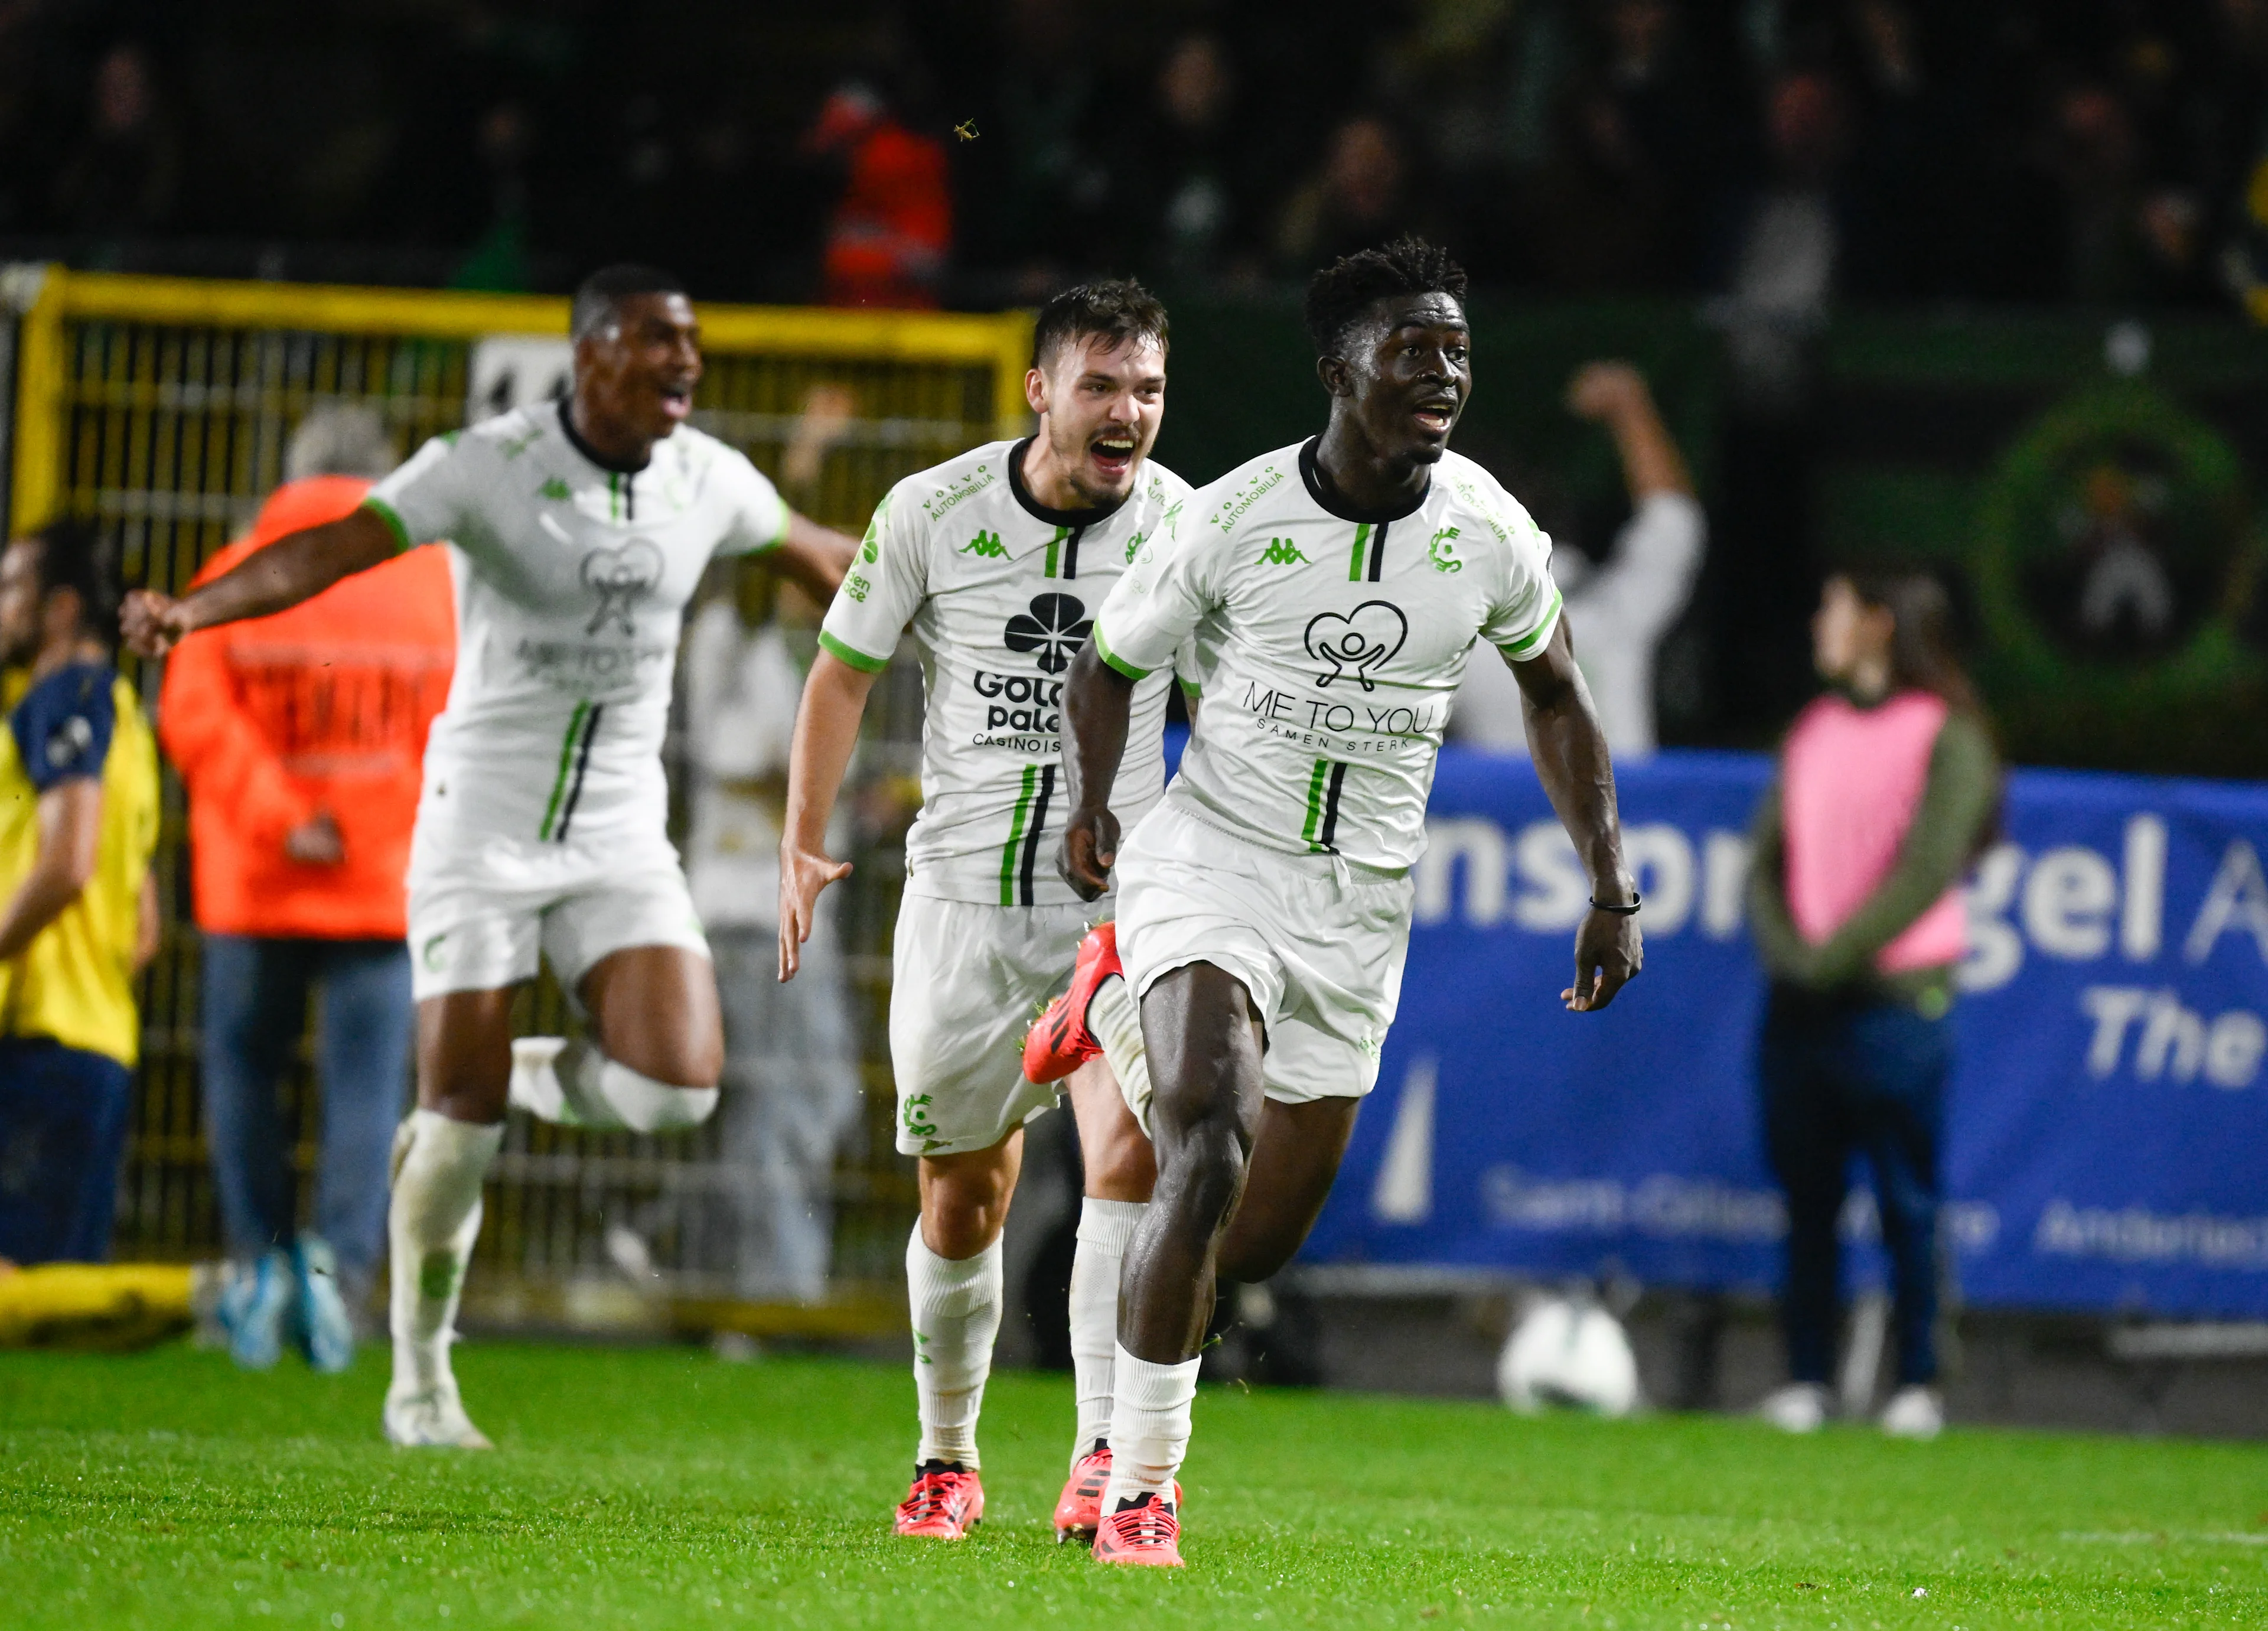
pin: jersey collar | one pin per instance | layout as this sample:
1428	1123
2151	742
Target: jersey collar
1039	512
1319	489
567	424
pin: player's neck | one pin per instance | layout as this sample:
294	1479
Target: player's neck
1363	479
63	652
609	446
1043	477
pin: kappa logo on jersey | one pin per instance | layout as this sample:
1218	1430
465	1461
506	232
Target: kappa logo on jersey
621	577
1282	552
554	490
1357	643
1052	630
986	546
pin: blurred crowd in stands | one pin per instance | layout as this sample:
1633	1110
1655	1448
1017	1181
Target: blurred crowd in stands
969	152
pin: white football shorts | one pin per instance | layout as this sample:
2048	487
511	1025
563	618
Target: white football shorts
481	912
1318	943
966	982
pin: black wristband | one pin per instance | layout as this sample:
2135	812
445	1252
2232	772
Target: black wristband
1629	911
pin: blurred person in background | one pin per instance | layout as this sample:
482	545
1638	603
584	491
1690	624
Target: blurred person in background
1363	194
125	174
1618	610
78	822
1887	790
301	741
890	230
790	1080
1191	216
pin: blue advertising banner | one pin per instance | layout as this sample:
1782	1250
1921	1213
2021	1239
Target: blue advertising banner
2105	1145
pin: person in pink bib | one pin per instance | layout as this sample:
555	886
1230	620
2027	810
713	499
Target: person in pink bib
1889	787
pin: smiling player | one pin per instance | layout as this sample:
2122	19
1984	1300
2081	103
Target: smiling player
578	530
1341	587
998	559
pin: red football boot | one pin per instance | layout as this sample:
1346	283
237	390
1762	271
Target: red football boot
1146	1532
1079	1509
946	1502
1059	1042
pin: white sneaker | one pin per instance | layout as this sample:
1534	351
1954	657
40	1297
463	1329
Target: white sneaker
431	1418
536	1086
1798	1407
1914	1413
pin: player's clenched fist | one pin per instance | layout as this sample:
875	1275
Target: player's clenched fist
152	624
1090	849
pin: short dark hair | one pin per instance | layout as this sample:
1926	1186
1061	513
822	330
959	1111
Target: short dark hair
1116	309
74	556
600	295
1340	295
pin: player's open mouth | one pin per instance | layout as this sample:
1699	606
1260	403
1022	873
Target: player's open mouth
1435	419
1114	455
677	401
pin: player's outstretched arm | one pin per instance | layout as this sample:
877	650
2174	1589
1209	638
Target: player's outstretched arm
826	731
1097	699
1570	751
298	566
814	558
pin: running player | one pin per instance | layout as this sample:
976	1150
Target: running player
578	531
998	559
1264	903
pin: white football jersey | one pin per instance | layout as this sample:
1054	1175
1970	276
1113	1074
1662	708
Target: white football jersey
571	581
1333	642
1001	592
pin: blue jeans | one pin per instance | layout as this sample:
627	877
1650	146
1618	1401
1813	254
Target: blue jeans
64	1116
1866	1078
255	1007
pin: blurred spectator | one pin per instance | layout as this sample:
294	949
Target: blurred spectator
1363	197
1787	240
1192	207
301	739
891	229
1043	190
1618	610
791	1076
125	173
1596	210
78	822
1885	792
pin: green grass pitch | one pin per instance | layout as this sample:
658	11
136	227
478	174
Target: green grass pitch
668	1488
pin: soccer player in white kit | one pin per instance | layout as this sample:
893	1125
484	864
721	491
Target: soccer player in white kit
1338	588
578	530
997	560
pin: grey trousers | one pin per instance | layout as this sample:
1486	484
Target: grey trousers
791	1093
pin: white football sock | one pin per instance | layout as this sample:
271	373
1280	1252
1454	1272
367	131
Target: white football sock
1150	1429
579	1086
956	1314
1104	1228
431	1223
1115	1019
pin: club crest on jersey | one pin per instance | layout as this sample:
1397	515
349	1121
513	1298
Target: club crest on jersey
621	577
1052	630
1357	643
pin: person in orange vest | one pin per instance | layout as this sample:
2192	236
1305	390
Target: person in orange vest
301	738
891	229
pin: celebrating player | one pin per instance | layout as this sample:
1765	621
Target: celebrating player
578	531
998	558
1265	902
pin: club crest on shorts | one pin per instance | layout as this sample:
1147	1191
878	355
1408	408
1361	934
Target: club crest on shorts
1052	630
621	576
1356	644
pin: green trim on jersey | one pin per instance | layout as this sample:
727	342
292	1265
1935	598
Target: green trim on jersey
851	654
392	517
613	495
1533	643
1010	851
1103	649
1315	783
567	746
1361	548
1054	551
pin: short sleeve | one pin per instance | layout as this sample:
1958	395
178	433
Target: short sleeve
424	500
886	584
64	724
1527	609
1153	610
756	518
